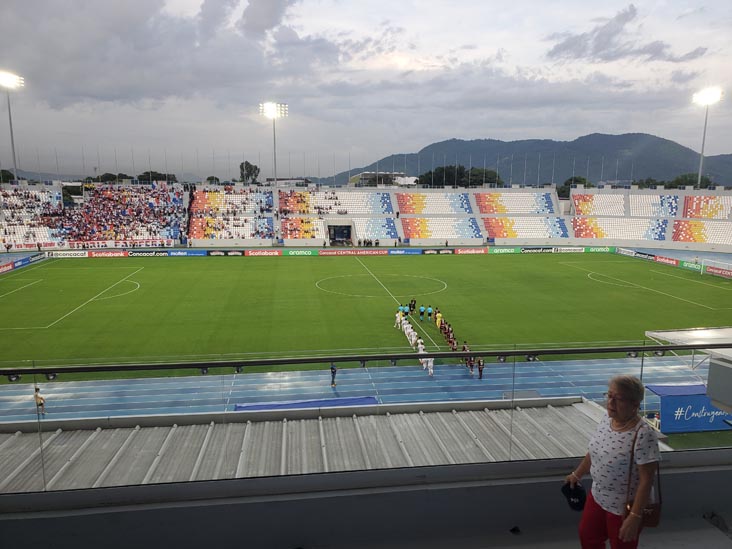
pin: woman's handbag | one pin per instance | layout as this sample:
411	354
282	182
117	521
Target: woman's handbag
651	514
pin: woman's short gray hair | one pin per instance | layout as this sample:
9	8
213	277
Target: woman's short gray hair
630	386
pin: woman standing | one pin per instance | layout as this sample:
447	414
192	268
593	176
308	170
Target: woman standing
608	461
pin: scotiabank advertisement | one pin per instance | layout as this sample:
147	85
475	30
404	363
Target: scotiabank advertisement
666	260
107	253
262	253
470	251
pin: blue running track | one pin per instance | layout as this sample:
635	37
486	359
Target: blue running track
388	385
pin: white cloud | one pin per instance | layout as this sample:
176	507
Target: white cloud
370	78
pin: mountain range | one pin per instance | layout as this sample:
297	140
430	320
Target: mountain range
596	157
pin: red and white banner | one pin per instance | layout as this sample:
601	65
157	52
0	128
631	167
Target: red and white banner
666	260
725	273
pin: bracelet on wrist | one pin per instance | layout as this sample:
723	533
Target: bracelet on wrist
573	474
632	514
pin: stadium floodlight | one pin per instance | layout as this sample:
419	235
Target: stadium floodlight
705	97
204	371
12	378
274	111
11	81
51	376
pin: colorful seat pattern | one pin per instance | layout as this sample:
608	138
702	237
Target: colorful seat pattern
598	204
526	227
707	207
434	203
373	228
654	205
620	228
703	231
442	228
514	203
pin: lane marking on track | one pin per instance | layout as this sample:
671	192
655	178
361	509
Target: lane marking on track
395	299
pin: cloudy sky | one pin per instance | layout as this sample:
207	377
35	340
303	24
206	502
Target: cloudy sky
182	79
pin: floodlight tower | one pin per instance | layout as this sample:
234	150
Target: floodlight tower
11	81
705	97
274	111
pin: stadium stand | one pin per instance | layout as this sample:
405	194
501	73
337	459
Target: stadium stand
352	202
295	202
434	203
375	228
526	227
654	205
707	207
599	204
231	213
21	215
620	228
441	228
303	227
116	212
702	231
515	203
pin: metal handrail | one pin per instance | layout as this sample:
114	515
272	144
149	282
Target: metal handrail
537	351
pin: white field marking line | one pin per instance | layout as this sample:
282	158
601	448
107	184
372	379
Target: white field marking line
124	293
93	298
394	298
587	261
690	280
319	287
644	288
589	275
17	289
11	274
164	359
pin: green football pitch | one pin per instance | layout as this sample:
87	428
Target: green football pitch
141	310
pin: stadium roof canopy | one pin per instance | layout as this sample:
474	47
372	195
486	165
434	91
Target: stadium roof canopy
160	449
697	336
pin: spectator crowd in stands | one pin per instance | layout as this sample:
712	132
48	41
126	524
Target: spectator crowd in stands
114	212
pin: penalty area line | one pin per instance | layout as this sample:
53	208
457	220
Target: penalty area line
633	284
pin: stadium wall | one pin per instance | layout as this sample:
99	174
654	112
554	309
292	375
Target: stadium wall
234	242
504	504
594	242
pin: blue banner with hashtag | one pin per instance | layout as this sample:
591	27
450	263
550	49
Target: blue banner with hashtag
690	414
